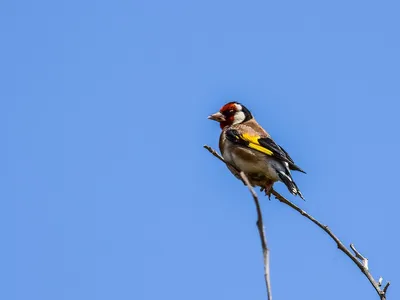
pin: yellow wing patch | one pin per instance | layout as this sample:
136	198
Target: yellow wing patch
254	144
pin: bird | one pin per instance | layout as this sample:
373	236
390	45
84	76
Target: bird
247	147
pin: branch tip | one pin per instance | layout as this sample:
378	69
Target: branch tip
380	281
386	287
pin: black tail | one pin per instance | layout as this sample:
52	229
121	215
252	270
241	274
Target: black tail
296	168
292	165
290	184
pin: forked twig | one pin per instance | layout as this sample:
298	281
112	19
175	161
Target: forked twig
357	258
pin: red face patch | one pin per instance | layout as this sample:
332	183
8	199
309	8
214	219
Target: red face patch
228	110
228	122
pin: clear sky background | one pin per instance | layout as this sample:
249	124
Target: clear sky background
106	191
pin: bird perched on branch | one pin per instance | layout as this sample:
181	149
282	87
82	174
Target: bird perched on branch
247	147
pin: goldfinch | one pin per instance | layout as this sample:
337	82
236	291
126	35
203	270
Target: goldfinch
245	145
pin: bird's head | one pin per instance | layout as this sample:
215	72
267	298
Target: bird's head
230	114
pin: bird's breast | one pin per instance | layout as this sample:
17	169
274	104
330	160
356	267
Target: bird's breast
249	160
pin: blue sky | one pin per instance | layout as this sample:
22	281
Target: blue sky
106	190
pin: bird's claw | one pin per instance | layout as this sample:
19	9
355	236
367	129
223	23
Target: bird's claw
268	190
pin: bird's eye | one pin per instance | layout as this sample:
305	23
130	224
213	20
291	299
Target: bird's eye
231	111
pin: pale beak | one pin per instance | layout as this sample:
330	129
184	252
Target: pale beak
217	117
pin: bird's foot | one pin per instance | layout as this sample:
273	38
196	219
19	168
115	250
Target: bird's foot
268	190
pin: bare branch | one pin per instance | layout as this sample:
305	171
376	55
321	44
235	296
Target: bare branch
261	231
363	266
260	222
357	258
215	153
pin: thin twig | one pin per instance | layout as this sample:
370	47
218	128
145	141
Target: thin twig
357	258
260	222
215	153
385	289
360	265
261	231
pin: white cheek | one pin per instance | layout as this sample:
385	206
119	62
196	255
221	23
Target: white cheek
238	118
